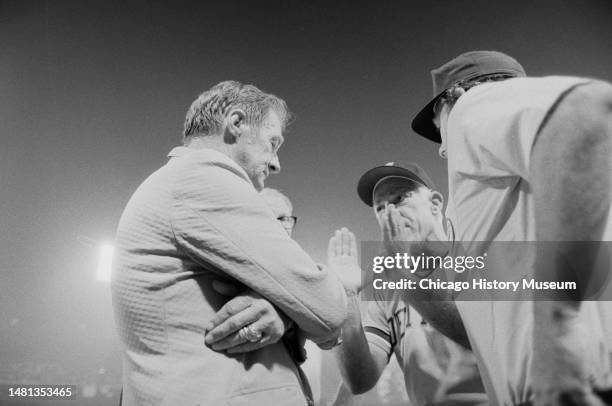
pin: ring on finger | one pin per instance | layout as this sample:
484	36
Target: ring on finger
249	334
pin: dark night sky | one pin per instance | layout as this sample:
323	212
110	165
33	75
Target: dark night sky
93	96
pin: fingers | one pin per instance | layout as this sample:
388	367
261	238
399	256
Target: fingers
234	306
395	220
234	315
352	244
237	343
230	341
248	346
349	243
231	325
338	243
343	242
386	223
396	224
395	234
344	238
269	324
271	329
332	246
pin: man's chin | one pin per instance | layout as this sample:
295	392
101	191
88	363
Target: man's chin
259	183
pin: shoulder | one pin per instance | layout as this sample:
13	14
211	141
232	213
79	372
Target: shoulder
516	93
205	160
488	113
205	172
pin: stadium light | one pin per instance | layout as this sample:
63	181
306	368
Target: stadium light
105	263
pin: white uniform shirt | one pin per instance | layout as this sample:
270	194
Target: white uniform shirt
492	129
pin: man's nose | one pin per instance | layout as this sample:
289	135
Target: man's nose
274	165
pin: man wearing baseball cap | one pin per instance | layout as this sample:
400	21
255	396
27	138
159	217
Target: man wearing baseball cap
437	370
529	159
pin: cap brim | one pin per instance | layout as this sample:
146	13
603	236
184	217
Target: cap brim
367	182
423	123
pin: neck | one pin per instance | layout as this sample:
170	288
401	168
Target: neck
211	142
441	232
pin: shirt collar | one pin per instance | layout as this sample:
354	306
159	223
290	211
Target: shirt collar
179	151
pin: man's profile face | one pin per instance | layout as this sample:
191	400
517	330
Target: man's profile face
413	202
257	148
440	120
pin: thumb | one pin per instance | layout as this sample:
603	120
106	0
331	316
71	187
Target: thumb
331	248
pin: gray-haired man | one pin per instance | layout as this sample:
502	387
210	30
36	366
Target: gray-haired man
200	218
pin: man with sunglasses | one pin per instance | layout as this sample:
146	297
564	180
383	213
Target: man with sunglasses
529	159
437	370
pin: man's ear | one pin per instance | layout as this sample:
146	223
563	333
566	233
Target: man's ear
437	202
235	123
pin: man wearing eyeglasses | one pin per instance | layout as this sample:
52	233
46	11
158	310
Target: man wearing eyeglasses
437	370
281	207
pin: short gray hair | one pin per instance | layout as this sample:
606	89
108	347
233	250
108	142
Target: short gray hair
207	112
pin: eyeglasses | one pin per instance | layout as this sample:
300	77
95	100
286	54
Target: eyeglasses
288	220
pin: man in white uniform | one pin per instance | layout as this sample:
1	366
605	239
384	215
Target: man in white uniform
528	160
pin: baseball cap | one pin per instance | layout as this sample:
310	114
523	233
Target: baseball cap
406	170
466	66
